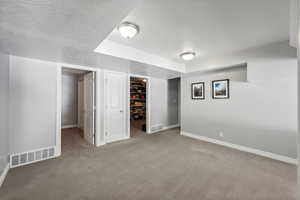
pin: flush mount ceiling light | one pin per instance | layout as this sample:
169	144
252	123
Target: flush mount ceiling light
188	56
128	30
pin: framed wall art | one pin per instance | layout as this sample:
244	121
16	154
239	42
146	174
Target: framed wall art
220	89
198	91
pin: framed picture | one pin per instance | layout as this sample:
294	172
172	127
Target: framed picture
220	89
198	90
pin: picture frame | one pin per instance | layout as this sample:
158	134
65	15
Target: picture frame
198	91
220	89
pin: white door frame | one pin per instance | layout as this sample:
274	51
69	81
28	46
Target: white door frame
59	102
89	80
148	102
126	134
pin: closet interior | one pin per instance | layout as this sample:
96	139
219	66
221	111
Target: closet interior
138	98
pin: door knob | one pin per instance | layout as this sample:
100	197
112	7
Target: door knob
121	111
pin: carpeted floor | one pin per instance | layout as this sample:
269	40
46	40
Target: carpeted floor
72	140
162	166
136	127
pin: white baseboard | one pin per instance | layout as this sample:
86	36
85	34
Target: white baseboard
243	148
165	128
172	126
101	144
70	126
4	174
119	140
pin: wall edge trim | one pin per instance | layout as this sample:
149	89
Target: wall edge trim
242	148
4	174
165	128
172	126
70	126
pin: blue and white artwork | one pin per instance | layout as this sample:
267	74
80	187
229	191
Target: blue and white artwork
220	89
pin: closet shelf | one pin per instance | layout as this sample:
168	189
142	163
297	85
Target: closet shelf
137	92
138	99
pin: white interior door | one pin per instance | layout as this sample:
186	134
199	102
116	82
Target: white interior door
115	122
89	107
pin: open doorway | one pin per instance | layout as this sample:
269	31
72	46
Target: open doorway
77	109
138	106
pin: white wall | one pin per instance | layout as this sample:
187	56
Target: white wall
158	107
111	48
4	92
69	99
294	22
260	113
80	107
298	74
33	86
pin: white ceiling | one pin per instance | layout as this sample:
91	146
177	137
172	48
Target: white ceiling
65	23
208	27
69	30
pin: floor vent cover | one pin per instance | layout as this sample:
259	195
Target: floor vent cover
25	158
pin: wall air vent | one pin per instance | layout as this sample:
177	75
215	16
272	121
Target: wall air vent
26	158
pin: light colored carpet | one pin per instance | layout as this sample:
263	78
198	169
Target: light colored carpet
163	166
72	140
136	127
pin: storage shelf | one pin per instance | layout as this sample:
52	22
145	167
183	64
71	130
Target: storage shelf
137	82
138	99
137	92
136	106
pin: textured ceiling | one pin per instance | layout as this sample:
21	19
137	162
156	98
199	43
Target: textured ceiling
52	27
69	30
214	27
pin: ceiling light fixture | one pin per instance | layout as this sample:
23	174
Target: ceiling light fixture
128	30
188	55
